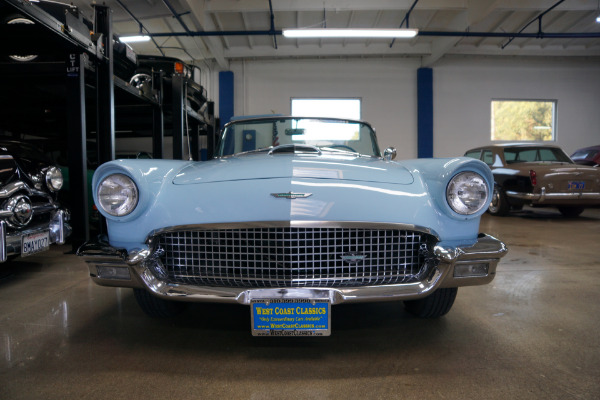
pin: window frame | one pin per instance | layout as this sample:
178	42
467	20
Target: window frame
554	131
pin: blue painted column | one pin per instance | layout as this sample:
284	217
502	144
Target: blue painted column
225	97
425	113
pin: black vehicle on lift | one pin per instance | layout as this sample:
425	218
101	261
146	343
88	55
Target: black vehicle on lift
169	66
75	25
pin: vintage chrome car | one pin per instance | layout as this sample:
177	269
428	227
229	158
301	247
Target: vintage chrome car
31	219
293	216
540	175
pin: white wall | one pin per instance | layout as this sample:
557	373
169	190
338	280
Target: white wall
387	88
463	90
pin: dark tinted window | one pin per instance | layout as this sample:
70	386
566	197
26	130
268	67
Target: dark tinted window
473	154
488	157
582	155
535	154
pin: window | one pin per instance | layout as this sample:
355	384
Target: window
535	154
328	108
473	154
488	157
523	120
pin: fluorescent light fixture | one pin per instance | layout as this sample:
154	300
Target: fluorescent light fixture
350	33
133	39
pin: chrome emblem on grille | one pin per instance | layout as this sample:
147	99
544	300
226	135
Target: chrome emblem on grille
22	210
290	195
353	258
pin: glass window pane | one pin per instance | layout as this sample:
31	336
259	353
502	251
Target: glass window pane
523	120
328	108
473	154
488	157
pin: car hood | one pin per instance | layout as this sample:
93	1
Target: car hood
264	166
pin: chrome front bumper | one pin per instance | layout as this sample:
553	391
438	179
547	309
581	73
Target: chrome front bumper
457	266
58	231
543	196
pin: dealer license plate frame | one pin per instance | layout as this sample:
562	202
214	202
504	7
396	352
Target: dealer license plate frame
290	317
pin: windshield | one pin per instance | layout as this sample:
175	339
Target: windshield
329	135
535	154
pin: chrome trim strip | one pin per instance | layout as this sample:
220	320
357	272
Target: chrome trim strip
294	224
3	254
553	196
14	187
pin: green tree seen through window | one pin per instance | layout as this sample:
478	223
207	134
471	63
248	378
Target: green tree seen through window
523	120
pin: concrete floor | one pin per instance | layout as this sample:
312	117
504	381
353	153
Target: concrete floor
534	333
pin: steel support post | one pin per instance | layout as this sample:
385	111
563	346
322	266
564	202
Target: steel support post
178	105
76	133
158	132
194	132
210	131
105	87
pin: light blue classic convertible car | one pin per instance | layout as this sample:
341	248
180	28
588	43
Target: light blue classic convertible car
294	215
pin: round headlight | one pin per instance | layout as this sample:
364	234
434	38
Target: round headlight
117	195
467	193
54	179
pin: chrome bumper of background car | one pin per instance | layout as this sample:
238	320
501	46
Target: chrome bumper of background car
58	230
457	266
543	196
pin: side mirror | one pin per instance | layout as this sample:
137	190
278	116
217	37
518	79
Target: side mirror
389	154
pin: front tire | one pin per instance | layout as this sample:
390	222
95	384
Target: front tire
571	212
435	305
156	307
499	205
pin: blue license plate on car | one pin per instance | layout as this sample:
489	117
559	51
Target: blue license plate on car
290	317
576	185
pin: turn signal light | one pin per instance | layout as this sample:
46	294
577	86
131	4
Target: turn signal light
179	67
533	177
118	273
471	270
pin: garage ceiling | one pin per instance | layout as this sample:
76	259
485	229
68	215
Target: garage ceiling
574	18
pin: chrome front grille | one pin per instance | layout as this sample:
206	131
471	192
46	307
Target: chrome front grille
294	257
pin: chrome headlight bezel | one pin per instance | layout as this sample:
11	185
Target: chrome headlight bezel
54	179
117	195
467	193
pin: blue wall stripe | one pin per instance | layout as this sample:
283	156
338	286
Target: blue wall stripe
225	96
425	113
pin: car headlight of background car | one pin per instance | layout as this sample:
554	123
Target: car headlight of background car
467	193
117	195
54	179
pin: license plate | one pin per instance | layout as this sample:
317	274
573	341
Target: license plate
576	185
34	243
291	317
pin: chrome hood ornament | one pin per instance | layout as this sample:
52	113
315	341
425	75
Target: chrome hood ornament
290	195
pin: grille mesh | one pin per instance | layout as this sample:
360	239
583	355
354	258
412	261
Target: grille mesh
294	257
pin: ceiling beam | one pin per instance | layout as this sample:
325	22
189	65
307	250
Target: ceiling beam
199	11
477	10
385	5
